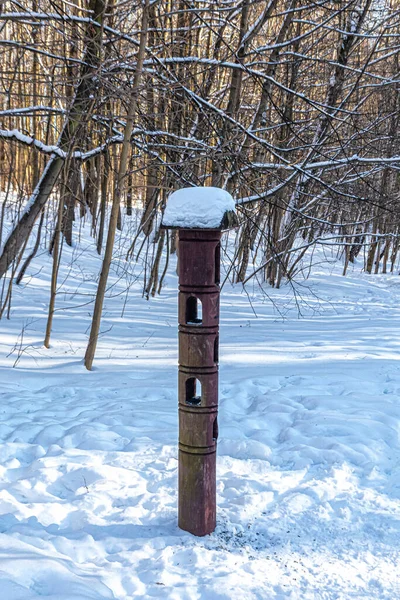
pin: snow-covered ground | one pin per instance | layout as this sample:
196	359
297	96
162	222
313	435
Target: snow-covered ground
309	447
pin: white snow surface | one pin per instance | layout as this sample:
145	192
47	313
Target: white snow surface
309	449
197	207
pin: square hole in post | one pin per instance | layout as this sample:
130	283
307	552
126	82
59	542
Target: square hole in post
193	391
216	349
194	311
217	267
215	429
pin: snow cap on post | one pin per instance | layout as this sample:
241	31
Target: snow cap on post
200	208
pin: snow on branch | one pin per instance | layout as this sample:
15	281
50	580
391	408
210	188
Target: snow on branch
27	140
29	110
393	161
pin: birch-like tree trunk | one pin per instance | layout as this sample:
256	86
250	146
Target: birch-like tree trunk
119	189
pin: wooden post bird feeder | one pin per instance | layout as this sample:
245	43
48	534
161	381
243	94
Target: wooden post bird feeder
200	214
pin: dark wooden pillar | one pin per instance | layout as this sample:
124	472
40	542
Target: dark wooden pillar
199	274
200	214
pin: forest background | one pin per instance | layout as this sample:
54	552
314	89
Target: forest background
107	107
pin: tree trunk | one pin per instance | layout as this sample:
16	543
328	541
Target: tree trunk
94	332
54	273
78	115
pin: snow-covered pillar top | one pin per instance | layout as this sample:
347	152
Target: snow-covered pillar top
200	208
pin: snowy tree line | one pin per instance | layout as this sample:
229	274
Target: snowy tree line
292	106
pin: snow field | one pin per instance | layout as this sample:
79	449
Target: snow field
308	455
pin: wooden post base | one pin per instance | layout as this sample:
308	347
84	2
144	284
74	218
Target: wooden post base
197	497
